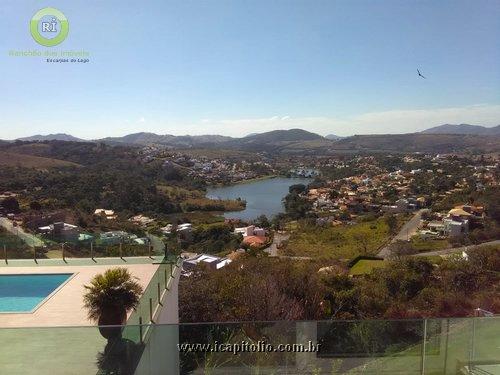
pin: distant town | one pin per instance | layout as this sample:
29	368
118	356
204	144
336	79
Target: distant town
349	211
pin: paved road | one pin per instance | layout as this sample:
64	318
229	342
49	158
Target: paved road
28	238
452	250
406	232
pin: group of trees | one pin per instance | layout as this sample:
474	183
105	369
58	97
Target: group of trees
213	238
111	177
296	205
277	289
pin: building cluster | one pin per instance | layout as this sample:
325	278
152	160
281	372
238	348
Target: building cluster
455	223
65	232
252	236
350	196
211	261
403	190
211	170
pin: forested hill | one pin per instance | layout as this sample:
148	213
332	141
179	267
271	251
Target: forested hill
418	142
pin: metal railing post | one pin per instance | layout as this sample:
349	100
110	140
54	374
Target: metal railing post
62	250
446	345
149	249
422	363
159	295
91	250
166	279
5	254
472	352
151	310
34	253
140	328
121	251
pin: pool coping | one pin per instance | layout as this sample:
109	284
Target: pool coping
42	302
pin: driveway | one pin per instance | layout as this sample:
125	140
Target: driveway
407	231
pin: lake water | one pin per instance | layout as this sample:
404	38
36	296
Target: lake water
263	197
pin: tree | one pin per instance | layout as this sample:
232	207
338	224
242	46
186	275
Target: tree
10	204
262	221
35	205
392	223
296	206
297	189
362	238
108	298
400	249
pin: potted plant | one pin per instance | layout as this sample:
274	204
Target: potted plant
108	298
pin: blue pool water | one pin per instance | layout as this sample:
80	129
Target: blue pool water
22	293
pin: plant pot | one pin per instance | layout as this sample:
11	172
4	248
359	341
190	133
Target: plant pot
110	322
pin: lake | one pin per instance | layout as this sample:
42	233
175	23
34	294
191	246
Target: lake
263	197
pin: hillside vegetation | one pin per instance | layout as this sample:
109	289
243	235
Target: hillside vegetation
419	142
10	159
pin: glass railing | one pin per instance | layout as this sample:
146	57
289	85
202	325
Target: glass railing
151	303
432	346
17	243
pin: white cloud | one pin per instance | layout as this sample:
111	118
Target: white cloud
394	121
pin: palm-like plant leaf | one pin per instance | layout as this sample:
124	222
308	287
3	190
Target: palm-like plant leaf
115	288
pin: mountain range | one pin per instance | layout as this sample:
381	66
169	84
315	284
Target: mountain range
51	137
444	138
167	139
463	129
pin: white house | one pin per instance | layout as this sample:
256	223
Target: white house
251	230
108	214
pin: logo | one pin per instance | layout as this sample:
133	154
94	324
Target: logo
49	27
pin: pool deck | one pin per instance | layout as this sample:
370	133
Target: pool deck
64	308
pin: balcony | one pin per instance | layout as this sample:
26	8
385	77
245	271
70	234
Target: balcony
431	346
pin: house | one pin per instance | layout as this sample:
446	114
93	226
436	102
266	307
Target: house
254	241
114	237
476	211
459	213
251	230
184	227
61	230
141	241
437	228
108	214
402	205
212	261
141	220
167	229
185	231
456	228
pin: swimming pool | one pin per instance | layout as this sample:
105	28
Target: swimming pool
23	293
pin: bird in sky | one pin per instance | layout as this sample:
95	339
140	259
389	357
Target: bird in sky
420	74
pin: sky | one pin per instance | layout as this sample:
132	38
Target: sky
238	67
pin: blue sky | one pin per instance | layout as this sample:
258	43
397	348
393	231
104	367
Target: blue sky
238	67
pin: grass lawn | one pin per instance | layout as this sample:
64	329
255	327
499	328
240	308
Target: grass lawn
423	246
436	259
365	266
341	242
